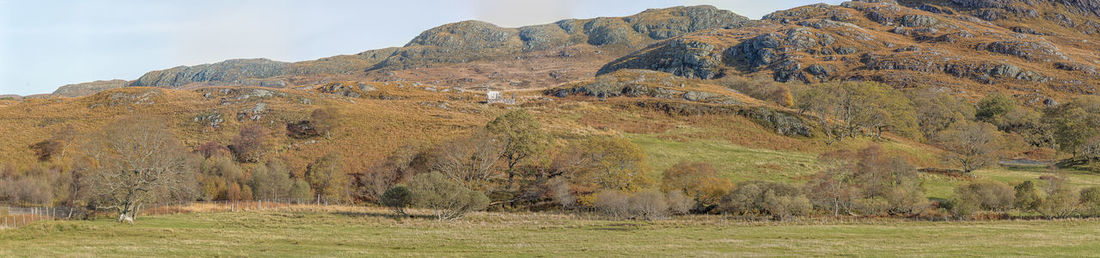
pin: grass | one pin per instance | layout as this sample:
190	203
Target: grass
732	161
370	233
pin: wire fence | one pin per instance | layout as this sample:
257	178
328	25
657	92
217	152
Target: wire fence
14	217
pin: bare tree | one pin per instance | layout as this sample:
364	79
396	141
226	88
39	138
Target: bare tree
471	160
972	145
136	160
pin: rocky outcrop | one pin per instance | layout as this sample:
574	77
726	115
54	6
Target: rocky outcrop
88	88
692	59
475	40
230	72
876	40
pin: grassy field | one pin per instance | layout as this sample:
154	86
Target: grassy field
735	162
370	233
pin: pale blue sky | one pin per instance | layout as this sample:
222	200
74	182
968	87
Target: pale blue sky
48	43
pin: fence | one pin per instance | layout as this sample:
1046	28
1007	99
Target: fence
12	217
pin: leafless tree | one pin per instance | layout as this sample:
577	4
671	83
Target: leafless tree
469	160
136	160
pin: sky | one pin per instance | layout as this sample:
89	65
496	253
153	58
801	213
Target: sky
45	44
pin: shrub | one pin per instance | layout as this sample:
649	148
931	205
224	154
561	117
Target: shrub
778	200
988	196
678	203
1090	198
698	180
782	207
249	144
324	120
613	203
450	199
649	205
397	198
759	88
1027	196
906	199
1061	199
47	149
211	149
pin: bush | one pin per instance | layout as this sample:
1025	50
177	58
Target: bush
678	203
1090	198
906	199
249	144
1027	196
613	203
299	190
324	120
649	205
450	199
983	196
759	88
698	180
397	198
1059	203
778	200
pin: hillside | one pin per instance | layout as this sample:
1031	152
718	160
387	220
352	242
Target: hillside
913	45
468	54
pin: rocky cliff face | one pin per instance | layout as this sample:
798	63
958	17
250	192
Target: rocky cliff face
906	46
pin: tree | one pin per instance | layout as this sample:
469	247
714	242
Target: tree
605	162
324	120
970	145
299	190
397	198
698	180
845	109
218	176
449	199
327	177
521	135
471	161
870	180
249	144
778	200
1075	123
993	107
1027	196
1061	199
937	110
271	181
398	167
137	160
